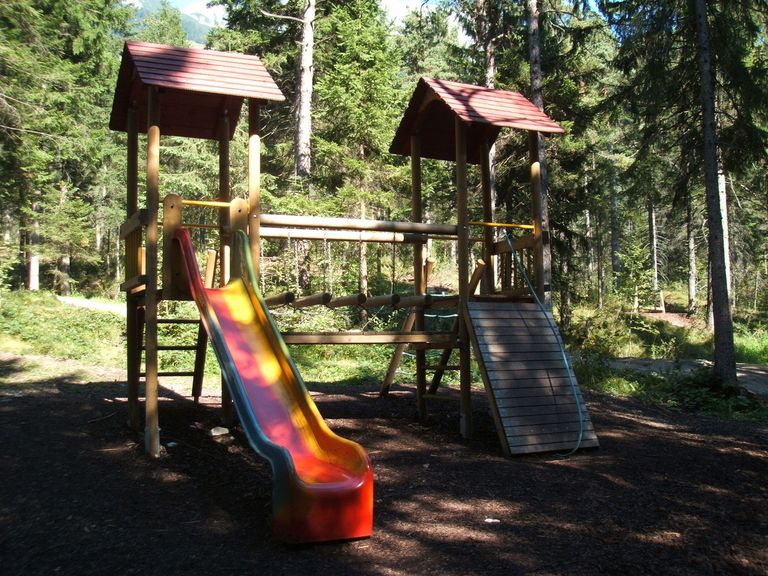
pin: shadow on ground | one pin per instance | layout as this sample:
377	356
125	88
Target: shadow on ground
666	492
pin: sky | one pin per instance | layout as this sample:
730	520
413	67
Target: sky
395	8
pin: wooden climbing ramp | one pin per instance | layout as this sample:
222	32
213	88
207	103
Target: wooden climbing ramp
531	395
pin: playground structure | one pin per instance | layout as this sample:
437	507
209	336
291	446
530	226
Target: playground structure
533	396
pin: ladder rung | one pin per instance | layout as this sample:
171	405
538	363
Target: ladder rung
178	321
175	347
144	374
178	347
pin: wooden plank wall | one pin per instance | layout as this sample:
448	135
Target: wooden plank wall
526	378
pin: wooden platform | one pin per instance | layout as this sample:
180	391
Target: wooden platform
531	396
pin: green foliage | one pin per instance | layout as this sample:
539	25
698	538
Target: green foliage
752	347
611	332
364	365
604	333
634	282
37	323
163	26
695	391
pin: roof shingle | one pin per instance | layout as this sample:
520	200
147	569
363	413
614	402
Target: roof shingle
196	87
435	104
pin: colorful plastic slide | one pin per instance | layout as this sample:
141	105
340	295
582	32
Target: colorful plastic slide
323	484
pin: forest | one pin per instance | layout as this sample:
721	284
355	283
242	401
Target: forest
657	190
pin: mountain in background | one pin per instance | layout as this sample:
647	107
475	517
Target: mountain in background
195	24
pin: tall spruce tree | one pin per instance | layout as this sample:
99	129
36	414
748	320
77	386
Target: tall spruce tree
716	94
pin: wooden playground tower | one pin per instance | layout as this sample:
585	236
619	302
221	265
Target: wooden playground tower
199	93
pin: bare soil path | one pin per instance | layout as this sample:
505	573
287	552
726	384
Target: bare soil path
667	492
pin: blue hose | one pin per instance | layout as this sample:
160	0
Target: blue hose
559	340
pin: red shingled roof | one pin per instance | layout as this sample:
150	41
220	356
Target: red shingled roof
436	103
196	86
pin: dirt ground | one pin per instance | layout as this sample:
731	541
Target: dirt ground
667	492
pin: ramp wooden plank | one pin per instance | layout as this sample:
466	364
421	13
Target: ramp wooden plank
512	365
530	392
540	419
563	412
552	447
554	428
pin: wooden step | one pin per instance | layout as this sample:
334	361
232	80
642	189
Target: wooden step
169	374
175	347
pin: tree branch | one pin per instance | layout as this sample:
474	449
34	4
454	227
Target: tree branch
4	127
282	17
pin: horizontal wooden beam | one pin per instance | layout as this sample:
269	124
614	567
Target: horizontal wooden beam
383	300
314	300
286	220
440	301
280	299
342	235
136	220
519	243
415	300
132	284
435	339
351	300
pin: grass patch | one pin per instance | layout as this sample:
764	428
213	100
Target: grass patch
694	391
37	323
342	364
752	348
615	333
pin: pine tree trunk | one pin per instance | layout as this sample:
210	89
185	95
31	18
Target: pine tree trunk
725	358
600	265
303	163
118	272
363	277
653	242
63	275
722	191
565	287
33	258
490	82
615	224
537	97
692	273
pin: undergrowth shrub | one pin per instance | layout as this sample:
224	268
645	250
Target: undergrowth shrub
605	332
698	391
37	323
751	345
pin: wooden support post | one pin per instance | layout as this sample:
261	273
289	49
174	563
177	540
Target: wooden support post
225	239
488	284
463	252
202	335
172	265
429	266
419	286
224	195
152	417
445	356
397	356
238	220
542	257
254	183
131	268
